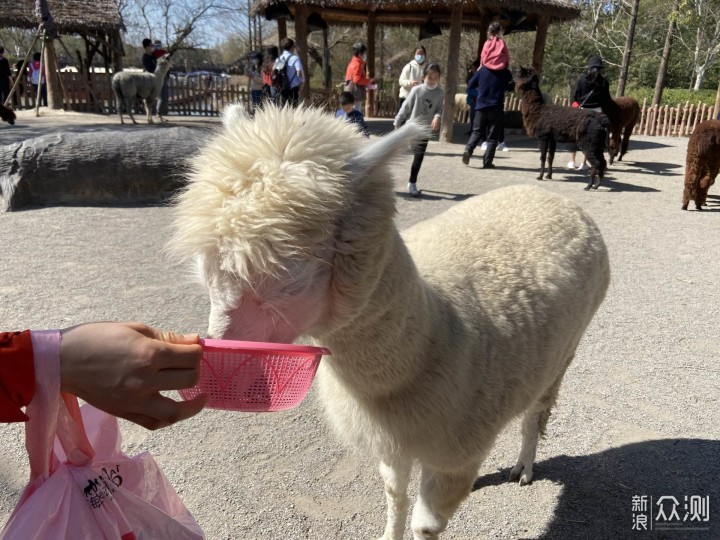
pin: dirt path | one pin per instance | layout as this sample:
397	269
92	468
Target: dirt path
638	413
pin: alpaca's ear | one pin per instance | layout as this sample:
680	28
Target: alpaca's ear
233	114
384	149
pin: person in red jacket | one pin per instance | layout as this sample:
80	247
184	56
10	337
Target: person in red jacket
355	80
117	367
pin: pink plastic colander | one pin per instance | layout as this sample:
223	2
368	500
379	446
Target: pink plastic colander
253	376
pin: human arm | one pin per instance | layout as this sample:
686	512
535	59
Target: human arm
435	124
122	367
406	109
406	80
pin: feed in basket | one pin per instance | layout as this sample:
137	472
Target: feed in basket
254	376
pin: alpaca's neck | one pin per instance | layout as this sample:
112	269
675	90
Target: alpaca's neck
531	106
382	349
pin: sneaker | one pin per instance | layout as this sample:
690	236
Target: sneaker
483	147
466	158
489	166
571	165
413	190
503	147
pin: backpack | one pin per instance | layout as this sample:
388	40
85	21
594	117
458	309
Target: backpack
280	79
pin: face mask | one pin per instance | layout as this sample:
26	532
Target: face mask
431	86
419	58
363	57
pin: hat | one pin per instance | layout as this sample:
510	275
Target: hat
595	62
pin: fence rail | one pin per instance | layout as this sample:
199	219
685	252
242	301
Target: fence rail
209	98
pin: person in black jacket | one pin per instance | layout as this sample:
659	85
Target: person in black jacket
5	74
592	91
489	106
149	61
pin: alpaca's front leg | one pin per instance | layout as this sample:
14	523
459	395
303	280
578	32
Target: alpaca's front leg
440	495
148	110
551	157
543	153
396	477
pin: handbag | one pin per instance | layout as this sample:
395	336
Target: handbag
81	485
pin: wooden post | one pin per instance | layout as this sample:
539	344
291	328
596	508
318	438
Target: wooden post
446	127
716	109
540	39
639	125
282	29
301	35
482	37
38	94
370	67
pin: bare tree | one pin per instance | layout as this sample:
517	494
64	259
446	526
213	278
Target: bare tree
628	48
662	70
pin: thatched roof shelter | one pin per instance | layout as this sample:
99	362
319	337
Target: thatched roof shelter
97	22
514	15
429	15
70	16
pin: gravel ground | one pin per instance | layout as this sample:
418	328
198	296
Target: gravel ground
638	413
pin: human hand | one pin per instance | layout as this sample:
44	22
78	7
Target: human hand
435	124
122	367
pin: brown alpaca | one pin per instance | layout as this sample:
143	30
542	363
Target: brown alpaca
7	115
623	113
702	163
550	124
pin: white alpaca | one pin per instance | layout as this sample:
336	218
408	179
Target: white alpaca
129	85
439	338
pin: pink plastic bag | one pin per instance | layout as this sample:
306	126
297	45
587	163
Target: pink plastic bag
81	484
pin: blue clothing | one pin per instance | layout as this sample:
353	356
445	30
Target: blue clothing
294	69
354	117
492	85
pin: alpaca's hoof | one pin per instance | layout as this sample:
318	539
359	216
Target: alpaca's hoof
548	176
684	207
540	177
587	188
522	473
698	208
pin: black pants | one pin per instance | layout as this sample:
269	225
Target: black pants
4	89
400	103
419	153
487	127
43	96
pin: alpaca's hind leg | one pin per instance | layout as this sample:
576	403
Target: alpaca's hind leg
129	107
551	157
396	477
543	154
440	495
625	141
533	427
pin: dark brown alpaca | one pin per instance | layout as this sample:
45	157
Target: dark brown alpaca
702	163
551	124
7	115
623	113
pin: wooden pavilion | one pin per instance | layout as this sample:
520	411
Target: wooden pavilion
513	15
97	22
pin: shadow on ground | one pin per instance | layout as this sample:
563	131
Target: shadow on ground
598	489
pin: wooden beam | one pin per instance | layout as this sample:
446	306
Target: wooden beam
448	116
301	35
540	39
370	67
282	29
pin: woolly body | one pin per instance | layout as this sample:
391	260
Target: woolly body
439	337
623	113
129	85
551	124
702	163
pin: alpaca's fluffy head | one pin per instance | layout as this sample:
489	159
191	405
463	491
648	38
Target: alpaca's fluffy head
7	115
527	81
279	213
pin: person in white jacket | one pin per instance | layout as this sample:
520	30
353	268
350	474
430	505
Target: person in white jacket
412	74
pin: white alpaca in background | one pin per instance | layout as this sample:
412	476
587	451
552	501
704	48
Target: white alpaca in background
130	85
439	337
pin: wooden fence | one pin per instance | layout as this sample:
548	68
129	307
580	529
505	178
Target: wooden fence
193	97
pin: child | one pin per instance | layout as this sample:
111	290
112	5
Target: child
495	53
351	115
424	106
